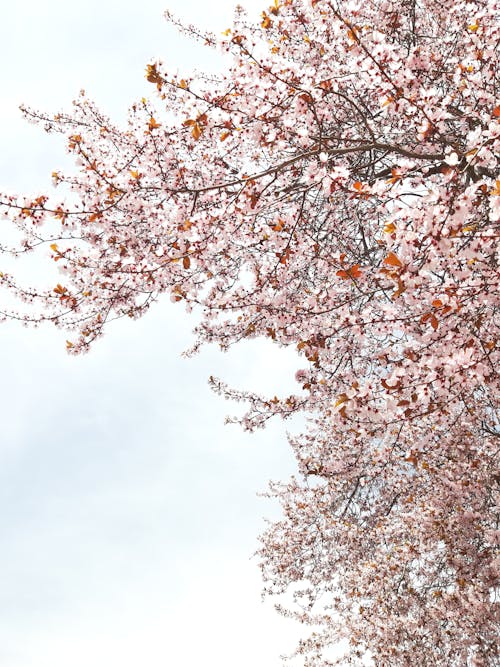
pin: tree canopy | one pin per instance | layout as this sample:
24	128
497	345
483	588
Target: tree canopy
335	190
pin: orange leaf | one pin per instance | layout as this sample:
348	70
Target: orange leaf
224	136
351	34
496	112
59	289
469	228
278	226
275	8
153	124
393	260
401	288
152	74
284	257
496	189
326	84
431	318
60	214
341	399
437	303
196	131
412	458
357	185
353	272
390	228
395	175
186	262
266	23
40	201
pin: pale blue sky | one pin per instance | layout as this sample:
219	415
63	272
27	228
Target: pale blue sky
128	511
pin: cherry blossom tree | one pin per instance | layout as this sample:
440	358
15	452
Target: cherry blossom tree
337	191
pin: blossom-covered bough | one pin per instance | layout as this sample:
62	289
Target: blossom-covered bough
337	191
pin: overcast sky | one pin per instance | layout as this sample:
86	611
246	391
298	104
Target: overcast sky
128	511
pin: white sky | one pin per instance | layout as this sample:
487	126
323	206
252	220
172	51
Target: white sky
128	511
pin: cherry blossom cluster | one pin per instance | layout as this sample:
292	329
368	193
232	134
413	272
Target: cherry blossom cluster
337	190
